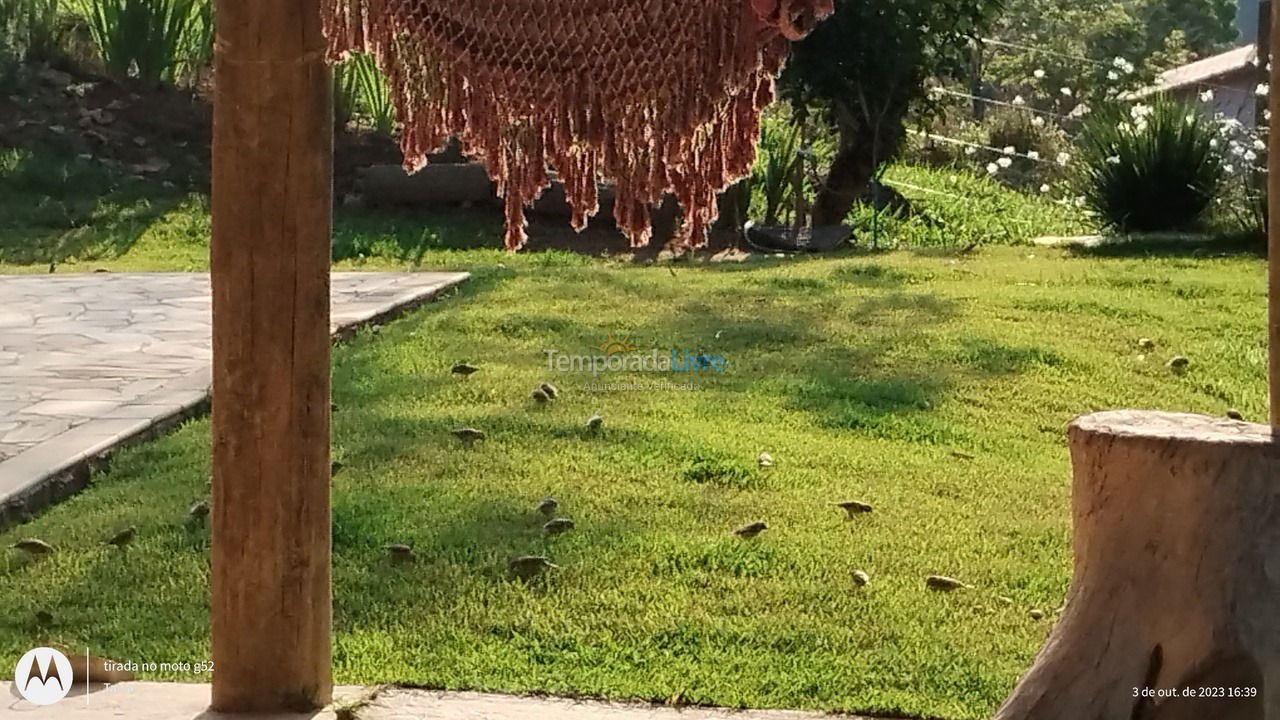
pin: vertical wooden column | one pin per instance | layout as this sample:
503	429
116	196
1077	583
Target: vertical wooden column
1273	215
272	194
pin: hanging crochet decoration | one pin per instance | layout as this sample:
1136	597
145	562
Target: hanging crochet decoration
657	96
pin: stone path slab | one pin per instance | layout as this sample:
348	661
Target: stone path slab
88	362
172	701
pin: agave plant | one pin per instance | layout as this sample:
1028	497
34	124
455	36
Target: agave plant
1150	167
154	40
30	28
777	168
375	97
346	94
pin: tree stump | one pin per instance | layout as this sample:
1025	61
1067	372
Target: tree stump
1177	576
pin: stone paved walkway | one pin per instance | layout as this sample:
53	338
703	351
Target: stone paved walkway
165	701
90	361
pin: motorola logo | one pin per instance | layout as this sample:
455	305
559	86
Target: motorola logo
43	676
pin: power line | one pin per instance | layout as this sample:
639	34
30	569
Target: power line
1042	51
1002	103
1096	62
917	188
998	151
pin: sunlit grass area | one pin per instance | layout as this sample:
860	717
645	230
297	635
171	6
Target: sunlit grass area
934	385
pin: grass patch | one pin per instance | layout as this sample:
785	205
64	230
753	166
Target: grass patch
955	208
935	386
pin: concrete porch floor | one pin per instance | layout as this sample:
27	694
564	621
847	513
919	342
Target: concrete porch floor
176	701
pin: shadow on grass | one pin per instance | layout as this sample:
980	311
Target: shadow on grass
1229	246
57	207
407	235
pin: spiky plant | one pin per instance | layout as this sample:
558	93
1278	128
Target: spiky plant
1149	167
346	94
154	40
375	97
776	167
30	29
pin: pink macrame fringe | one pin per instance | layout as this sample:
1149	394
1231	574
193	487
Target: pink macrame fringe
658	96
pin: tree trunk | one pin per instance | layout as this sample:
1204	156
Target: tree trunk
860	154
1177	576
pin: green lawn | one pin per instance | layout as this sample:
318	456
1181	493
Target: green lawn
933	385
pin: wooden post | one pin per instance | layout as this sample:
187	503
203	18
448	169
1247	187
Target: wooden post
1273	215
271	609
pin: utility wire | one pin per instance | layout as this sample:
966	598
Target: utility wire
917	188
998	151
1002	103
1095	61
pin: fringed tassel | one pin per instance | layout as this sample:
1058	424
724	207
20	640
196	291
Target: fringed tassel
660	96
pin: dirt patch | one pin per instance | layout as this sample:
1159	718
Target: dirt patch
156	133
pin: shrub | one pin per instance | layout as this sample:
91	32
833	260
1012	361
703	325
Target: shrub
29	29
375	97
346	94
153	40
775	169
1030	135
792	152
1149	167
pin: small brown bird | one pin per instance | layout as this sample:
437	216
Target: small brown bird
547	506
124	537
943	583
859	577
33	546
854	508
44	617
464	369
595	423
556	526
469	435
765	460
1179	364
1234	414
400	552
539	396
199	511
552	391
747	532
526	567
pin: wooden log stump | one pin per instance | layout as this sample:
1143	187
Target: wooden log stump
1177	575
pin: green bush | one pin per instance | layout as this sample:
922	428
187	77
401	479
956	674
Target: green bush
1031	136
374	95
774	173
1150	167
346	94
29	29
792	153
154	40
